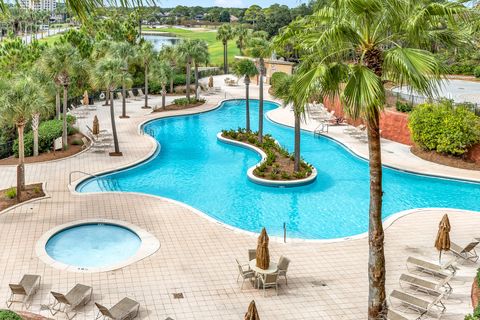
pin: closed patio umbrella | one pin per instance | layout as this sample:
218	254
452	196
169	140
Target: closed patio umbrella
210	82
85	98
95	126
442	243
263	256
252	313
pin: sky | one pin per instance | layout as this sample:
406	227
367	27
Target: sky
227	3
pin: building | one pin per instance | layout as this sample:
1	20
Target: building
39	5
272	66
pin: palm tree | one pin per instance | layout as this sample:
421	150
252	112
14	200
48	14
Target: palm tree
169	54
352	51
185	51
199	55
126	52
246	68
61	62
242	33
163	73
260	48
224	34
108	73
100	50
17	104
146	55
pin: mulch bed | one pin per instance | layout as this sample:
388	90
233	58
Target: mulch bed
448	160
31	316
178	107
47	156
32	191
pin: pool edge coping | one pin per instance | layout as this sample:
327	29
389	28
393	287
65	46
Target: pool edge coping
149	245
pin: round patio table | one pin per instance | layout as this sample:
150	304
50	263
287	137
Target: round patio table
272	268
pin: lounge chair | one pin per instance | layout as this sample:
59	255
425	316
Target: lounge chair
140	93
132	96
244	272
436	270
468	252
282	266
27	287
252	254
125	309
421	306
118	95
79	295
268	281
434	288
394	315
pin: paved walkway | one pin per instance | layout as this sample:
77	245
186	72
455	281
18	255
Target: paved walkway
196	257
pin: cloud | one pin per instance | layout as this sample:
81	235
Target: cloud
229	3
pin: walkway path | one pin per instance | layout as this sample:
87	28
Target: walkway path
196	257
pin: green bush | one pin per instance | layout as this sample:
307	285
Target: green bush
47	133
11	193
185	101
476	72
403	106
9	315
277	76
443	128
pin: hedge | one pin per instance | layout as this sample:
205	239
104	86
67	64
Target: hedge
476	72
443	128
9	315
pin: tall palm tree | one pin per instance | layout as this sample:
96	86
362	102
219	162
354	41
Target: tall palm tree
146	56
259	48
100	50
108	72
126	52
185	51
200	55
353	49
242	33
246	68
17	104
169	54
224	34
61	62
163	73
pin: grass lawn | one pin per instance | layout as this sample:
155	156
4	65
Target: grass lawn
215	47
50	40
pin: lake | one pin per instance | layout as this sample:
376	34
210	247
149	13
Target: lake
159	41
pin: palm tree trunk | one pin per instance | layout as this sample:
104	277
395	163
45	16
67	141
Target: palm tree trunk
35	124
187	89
114	129
225	58
171	85
164	92
124	102
107	98
57	103
21	160
196	80
247	102
260	104
64	128
296	166
146	87
376	261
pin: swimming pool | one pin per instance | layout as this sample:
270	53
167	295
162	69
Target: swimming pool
193	167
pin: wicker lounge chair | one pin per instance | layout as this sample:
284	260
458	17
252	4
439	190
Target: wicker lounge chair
79	295
283	263
268	281
27	287
125	309
434	288
436	270
408	302
244	272
468	252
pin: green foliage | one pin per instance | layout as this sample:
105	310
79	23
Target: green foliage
476	72
445	129
9	315
48	131
276	77
185	101
11	193
403	106
245	67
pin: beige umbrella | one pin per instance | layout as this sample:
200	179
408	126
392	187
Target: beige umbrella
210	82
442	243
252	313
96	126
85	98
263	256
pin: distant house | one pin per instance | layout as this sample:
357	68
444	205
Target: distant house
199	17
233	18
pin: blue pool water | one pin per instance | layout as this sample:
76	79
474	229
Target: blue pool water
93	245
194	168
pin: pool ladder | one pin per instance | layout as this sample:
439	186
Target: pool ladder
77	171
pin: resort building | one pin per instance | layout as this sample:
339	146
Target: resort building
272	66
39	5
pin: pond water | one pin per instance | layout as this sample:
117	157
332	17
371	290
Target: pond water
160	41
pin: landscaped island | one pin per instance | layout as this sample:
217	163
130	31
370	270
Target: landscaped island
278	163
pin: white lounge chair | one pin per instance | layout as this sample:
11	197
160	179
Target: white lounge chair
79	295
409	302
125	309
394	315
140	93
27	287
430	287
434	269
468	252
282	266
132	96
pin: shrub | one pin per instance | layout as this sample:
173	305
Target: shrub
77	142
445	129
403	106
276	77
11	193
476	72
183	89
9	315
185	101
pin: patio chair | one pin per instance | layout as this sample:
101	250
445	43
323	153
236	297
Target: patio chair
434	288
125	309
252	254
79	295
268	281
132	96
140	93
421	306
119	95
436	270
27	287
394	315
282	266
245	273
468	252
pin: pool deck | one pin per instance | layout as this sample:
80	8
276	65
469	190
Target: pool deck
196	255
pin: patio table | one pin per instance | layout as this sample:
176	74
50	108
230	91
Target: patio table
272	268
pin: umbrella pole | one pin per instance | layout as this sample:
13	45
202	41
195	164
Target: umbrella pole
440	257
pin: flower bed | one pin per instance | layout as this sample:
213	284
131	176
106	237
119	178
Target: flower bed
279	163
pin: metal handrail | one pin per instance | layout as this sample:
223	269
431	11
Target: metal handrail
77	171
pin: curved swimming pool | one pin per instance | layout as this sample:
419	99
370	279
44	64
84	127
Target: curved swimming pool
193	167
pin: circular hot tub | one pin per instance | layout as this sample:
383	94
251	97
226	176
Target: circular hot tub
95	245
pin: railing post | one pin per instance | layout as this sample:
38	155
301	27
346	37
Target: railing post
284	232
